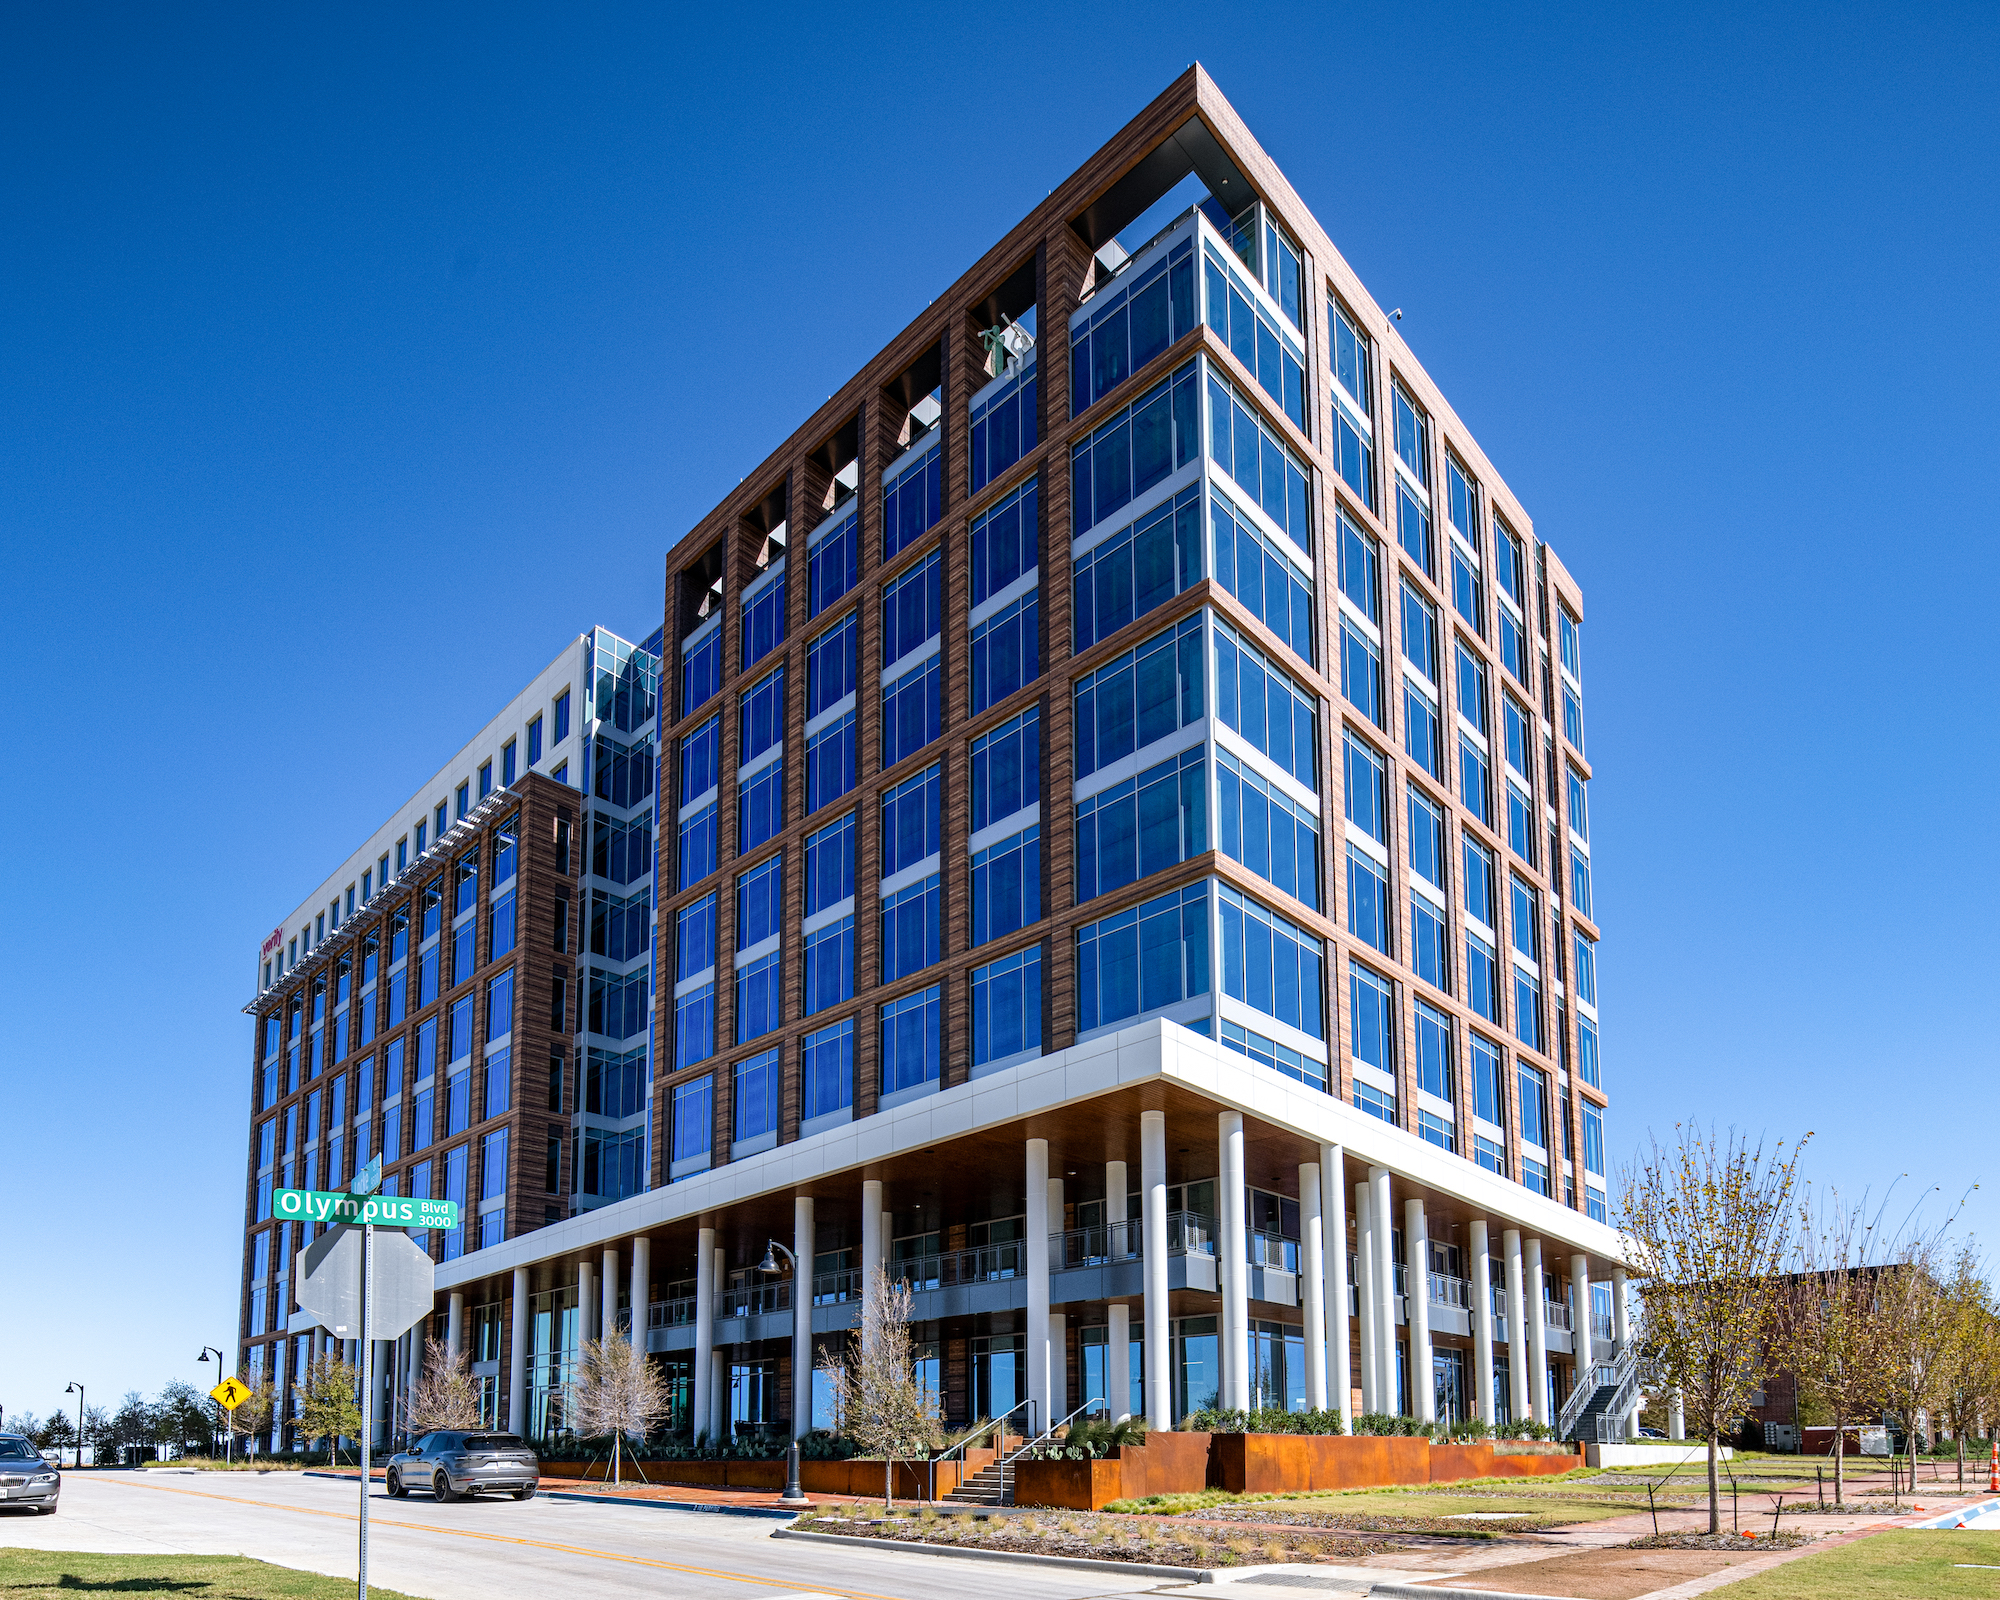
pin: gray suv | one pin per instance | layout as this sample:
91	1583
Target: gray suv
456	1464
25	1478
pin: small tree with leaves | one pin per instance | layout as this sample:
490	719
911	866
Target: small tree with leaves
1830	1325
878	1400
445	1395
184	1420
252	1419
324	1404
616	1391
1708	1225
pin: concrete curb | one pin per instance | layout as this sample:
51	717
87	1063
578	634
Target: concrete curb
1136	1569
779	1513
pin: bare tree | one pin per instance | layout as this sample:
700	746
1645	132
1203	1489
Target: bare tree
445	1395
1708	1226
324	1404
617	1391
1831	1334
878	1400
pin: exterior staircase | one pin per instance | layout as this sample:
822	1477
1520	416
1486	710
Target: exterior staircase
1596	1415
991	1485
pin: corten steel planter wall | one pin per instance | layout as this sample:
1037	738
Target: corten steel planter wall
1069	1485
1176	1463
1292	1463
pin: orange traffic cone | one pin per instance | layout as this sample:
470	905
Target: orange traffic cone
1993	1474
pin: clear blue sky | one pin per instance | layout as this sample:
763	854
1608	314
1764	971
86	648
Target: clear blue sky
352	360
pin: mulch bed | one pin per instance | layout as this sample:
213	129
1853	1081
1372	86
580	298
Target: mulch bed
1373	1522
1783	1540
1087	1535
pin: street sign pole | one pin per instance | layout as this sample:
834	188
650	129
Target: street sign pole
367	1390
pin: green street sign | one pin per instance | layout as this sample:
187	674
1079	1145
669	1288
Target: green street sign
385	1210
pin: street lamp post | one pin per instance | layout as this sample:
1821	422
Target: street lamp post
793	1495
77	1390
228	1426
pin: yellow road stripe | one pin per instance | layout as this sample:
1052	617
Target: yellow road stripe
377	1520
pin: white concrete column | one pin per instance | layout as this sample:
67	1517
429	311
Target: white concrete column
1312	1283
803	1240
454	1324
1676	1416
607	1319
586	1301
1581	1337
1621	1324
1417	1252
872	1258
1382	1211
1482	1325
1517	1326
1364	1262
1153	1198
704	1325
1117	1238
1118	1361
1333	1230
1538	1336
1037	1229
1058	1368
642	1290
1234	1264
889	1242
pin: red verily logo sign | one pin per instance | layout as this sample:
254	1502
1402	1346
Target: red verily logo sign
275	939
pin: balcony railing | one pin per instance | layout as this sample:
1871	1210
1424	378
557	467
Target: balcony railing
1449	1291
1555	1314
753	1300
1188	1233
677	1313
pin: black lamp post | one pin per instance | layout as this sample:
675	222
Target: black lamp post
794	1495
228	1428
77	1390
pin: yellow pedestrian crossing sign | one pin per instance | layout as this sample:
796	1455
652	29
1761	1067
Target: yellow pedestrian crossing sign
229	1394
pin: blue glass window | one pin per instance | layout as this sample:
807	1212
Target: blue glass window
1528	1009
1427	839
1360	671
1152	956
694	1118
1006	651
1007	769
1128	324
1265	829
1586	967
760	899
1268	583
694	1025
910	500
910	609
830	666
1268	352
826	1071
701	760
829	965
1586	1051
1482	977
1007	1007
621	851
1124	576
701	677
830	763
910	821
697	846
1434	1054
760	806
1005	424
1258	462
1371	1003
1413	530
1473	786
1142	696
694	938
1413	431
1423	739
1427	943
1141	446
830	865
618	1006
834	564
1534	1091
1488	1100
759	997
1593	1139
758	1084
1353	370
1141	826
910	1050
1007	886
1365	788
1270	1053
1263	707
764	619
1270	964
1006	541
1359	559
910	711
763	719
1509	565
910	929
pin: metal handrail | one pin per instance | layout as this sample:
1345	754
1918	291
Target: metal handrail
1555	1314
958	1450
754	1299
1619	1374
1449	1291
1049	1432
673	1313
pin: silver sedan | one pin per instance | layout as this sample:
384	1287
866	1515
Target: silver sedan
25	1478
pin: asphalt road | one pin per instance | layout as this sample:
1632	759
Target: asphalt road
493	1549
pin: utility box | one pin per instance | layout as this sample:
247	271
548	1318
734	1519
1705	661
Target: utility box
1782	1438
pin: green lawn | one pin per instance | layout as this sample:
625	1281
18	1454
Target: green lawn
1912	1564
65	1574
